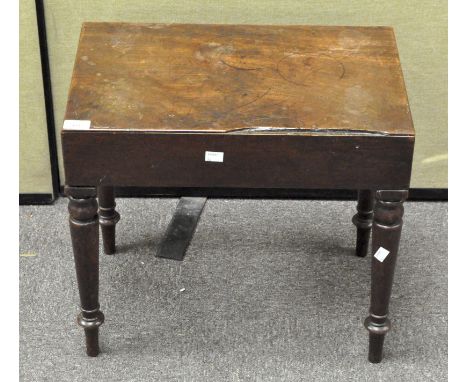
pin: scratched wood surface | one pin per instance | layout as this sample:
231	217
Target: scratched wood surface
239	79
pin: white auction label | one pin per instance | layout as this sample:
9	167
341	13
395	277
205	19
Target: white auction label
76	124
381	254
214	156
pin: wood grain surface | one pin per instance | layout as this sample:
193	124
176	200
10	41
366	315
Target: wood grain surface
239	79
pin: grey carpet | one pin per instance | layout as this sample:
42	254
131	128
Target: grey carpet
272	293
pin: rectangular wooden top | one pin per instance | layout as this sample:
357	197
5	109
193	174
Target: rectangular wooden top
239	79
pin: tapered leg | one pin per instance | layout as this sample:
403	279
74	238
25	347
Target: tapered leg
108	217
386	231
363	220
84	228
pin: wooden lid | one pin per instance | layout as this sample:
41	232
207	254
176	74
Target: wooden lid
239	79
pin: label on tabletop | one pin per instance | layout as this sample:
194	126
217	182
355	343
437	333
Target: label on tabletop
76	124
214	156
381	254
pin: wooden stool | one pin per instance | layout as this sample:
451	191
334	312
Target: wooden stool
237	106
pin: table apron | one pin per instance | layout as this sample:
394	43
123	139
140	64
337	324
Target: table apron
93	158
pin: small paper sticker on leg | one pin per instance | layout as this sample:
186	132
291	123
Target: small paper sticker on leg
381	254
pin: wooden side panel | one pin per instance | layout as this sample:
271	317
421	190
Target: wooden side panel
250	161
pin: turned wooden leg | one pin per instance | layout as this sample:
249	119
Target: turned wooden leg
386	231
84	228
108	217
363	220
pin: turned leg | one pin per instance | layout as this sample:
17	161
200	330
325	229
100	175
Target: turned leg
363	220
386	232
108	217
84	228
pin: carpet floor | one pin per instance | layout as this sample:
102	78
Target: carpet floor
269	291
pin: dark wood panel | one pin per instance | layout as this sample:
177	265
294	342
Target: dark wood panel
250	161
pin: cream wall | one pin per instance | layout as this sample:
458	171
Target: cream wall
420	27
34	162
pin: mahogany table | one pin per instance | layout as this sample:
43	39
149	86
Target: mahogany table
237	106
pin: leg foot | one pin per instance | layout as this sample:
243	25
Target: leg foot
108	217
363	220
386	231
84	229
376	337
92	342
91	328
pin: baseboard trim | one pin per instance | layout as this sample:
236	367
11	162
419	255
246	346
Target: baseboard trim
415	194
428	194
33	199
